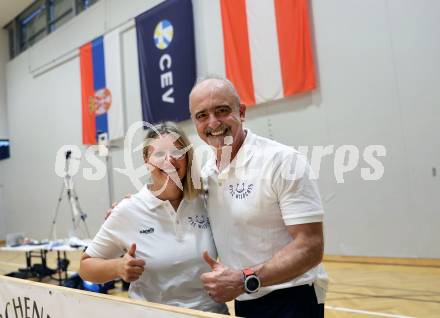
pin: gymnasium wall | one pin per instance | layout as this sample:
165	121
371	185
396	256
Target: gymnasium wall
4	57
3	123
378	69
2	215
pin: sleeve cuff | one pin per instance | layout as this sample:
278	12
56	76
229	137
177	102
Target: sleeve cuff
304	218
91	252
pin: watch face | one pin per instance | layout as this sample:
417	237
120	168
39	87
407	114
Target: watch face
252	283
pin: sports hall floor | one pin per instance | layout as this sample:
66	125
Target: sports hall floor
359	287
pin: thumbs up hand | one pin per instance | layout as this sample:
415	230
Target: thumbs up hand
223	284
130	268
211	262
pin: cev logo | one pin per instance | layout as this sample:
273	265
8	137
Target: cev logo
163	34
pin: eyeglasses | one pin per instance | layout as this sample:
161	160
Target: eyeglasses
178	154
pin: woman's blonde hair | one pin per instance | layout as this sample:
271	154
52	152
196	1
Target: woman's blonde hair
169	127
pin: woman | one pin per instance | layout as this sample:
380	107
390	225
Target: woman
163	231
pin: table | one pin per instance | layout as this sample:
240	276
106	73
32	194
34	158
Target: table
40	251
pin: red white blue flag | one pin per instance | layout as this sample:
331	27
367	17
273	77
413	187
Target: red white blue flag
101	88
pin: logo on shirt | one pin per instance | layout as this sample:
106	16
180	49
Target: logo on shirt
240	190
199	221
147	231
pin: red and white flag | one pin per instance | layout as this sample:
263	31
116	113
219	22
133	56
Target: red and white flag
267	47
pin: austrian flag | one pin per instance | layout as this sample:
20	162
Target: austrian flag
267	46
101	88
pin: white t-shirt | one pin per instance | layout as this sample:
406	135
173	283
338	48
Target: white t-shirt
267	187
170	243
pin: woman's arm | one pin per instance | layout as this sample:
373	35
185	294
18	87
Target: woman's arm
99	270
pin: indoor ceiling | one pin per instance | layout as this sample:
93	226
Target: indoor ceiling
9	9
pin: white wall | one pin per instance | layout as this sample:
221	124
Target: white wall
2	216
378	73
4	57
3	117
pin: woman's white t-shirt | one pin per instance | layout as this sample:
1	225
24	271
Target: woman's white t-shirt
171	244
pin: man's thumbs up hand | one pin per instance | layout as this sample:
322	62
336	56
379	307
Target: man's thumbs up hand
211	262
131	268
222	283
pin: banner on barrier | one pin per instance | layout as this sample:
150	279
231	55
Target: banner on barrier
23	299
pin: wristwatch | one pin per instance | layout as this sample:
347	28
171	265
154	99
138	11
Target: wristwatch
251	281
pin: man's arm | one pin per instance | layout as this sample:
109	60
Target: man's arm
303	253
296	258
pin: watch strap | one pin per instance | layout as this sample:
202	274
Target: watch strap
248	272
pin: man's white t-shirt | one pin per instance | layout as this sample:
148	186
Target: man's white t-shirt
267	187
170	243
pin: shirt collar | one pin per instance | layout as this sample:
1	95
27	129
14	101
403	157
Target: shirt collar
150	199
246	150
242	157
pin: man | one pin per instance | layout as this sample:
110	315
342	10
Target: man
265	213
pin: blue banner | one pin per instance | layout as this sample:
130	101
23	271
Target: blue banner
167	68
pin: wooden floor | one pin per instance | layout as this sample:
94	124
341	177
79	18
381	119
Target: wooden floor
405	291
383	288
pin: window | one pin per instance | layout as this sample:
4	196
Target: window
13	50
32	24
82	5
39	19
60	11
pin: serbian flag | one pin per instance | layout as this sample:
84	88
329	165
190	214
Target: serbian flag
101	88
267	47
